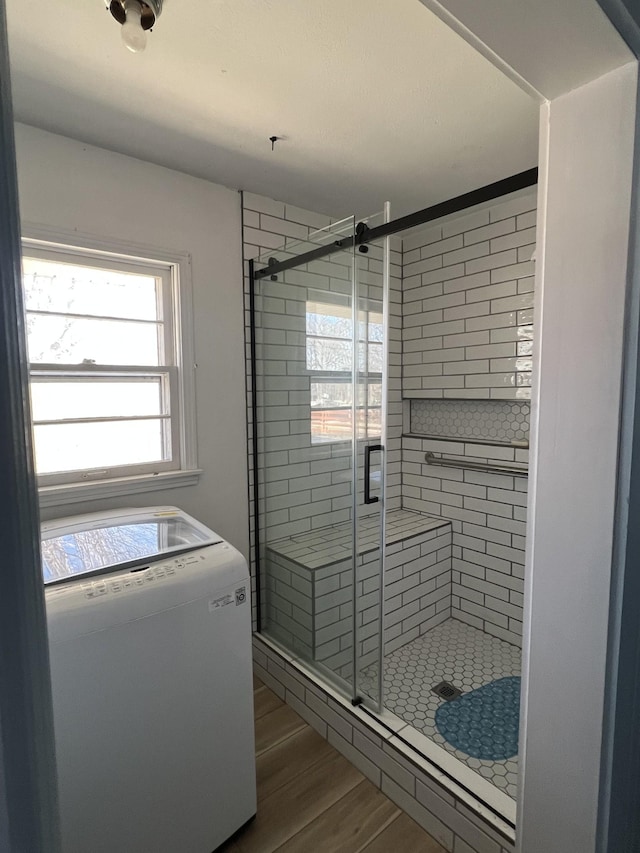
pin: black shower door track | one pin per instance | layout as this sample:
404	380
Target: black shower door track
365	235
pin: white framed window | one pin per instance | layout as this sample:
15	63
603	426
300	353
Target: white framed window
329	359
111	367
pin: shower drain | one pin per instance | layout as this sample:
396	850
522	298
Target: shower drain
446	691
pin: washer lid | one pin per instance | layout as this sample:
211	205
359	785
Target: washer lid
104	541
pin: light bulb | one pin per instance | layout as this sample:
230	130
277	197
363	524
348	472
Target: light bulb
133	35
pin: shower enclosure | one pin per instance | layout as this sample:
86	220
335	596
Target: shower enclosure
390	379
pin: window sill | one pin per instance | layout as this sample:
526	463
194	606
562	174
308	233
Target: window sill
97	490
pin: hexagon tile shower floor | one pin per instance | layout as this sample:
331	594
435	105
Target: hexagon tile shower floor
463	656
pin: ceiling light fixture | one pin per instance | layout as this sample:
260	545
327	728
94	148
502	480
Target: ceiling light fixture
136	17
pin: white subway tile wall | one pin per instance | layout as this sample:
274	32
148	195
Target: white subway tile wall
467	336
488	518
467	305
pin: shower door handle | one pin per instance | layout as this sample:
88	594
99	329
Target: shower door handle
369	449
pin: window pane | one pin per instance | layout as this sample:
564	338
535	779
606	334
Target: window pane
328	395
375	358
375	327
330	425
52	400
71	447
374	423
370	326
68	340
67	288
326	320
375	394
323	354
335	424
374	353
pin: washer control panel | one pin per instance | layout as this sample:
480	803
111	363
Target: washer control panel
143	576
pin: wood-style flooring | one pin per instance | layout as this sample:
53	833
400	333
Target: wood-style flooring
312	800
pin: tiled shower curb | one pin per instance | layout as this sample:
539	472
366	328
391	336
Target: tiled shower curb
458	823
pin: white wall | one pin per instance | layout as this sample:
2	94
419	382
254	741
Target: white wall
587	139
69	186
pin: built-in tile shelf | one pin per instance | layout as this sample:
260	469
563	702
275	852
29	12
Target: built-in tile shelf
501	422
483	441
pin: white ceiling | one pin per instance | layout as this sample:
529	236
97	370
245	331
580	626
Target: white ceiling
550	46
374	100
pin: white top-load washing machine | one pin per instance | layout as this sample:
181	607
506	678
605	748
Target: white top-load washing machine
149	622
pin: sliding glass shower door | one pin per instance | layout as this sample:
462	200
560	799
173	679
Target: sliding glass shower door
371	274
318	413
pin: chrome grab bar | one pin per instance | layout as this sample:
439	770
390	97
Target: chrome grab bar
513	470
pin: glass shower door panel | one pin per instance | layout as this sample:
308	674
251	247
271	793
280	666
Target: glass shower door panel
307	400
371	289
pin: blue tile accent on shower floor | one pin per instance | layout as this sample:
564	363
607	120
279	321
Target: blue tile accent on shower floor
484	723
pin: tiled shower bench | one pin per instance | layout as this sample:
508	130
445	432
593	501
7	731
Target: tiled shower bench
310	587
